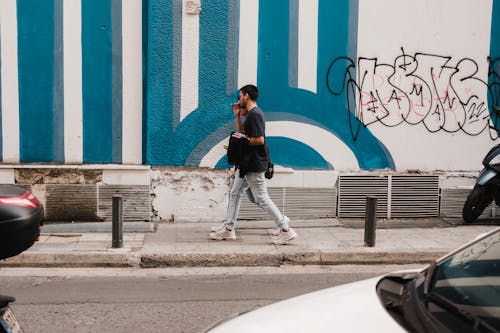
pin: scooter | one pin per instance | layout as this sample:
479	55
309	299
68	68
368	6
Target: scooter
487	185
8	322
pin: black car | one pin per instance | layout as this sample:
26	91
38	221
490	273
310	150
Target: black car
21	217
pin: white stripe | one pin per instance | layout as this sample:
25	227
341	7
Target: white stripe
331	148
132	82
73	104
308	45
10	91
248	42
190	62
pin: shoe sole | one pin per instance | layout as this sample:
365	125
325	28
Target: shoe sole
222	238
283	242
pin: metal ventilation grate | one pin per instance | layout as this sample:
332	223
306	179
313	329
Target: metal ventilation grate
310	202
400	196
353	191
136	202
71	202
452	202
250	211
414	196
298	203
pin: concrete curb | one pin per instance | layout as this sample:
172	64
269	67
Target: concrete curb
138	260
73	260
295	258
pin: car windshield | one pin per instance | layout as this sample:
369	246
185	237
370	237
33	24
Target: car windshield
469	283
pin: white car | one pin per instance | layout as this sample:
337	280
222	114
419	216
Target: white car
458	293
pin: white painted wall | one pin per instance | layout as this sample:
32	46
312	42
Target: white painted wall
433	27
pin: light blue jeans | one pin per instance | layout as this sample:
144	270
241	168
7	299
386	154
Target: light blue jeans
254	185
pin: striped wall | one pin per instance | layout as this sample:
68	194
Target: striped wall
150	81
71	81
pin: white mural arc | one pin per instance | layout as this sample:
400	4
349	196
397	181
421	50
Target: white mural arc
329	146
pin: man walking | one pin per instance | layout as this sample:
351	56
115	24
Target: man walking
253	176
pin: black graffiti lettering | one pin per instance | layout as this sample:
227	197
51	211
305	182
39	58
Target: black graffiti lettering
438	92
394	96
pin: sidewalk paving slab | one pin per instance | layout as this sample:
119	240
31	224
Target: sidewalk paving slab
319	242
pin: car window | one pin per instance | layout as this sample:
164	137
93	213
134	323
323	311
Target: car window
470	281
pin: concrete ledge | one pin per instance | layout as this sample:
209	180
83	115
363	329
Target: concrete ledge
77	166
380	258
73	260
287	258
209	260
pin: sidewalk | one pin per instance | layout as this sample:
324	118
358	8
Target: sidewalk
320	242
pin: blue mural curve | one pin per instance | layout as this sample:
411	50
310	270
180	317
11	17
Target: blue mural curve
494	58
323	107
170	145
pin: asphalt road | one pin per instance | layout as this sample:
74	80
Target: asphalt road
158	300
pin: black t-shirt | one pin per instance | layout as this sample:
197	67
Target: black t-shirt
255	126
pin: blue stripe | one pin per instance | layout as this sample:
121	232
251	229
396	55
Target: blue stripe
160	77
97	79
214	31
145	62
58	90
177	61
293	44
494	70
117	80
36	79
272	67
353	29
233	46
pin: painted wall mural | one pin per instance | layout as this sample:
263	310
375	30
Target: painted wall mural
150	81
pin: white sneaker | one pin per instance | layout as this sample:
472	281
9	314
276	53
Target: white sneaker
284	236
223	235
274	232
218	228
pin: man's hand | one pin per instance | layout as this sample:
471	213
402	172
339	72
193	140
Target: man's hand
236	109
256	141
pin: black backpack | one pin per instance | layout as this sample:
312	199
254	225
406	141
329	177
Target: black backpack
236	148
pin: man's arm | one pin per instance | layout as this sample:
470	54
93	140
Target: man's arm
256	141
239	123
237	116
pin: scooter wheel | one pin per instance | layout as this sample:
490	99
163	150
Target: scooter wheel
477	200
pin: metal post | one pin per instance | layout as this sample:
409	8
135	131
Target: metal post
117	224
370	221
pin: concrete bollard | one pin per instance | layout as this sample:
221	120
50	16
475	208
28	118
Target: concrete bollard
370	221
117	223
